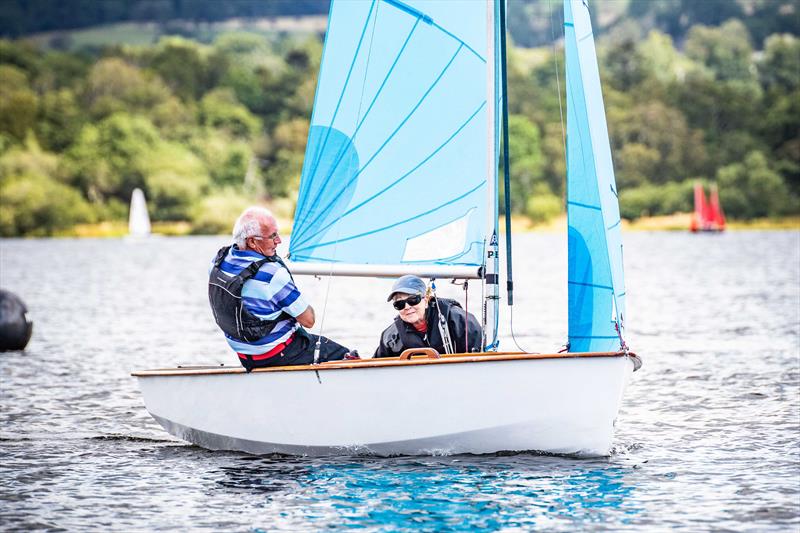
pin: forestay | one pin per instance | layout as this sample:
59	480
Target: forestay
596	281
395	168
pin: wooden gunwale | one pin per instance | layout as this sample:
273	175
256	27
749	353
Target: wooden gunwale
378	363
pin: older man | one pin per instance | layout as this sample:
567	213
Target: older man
256	303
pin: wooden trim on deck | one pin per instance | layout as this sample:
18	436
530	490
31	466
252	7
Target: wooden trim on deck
378	363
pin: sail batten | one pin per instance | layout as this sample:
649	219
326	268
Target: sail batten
397	142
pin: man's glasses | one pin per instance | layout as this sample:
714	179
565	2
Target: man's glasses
268	237
411	300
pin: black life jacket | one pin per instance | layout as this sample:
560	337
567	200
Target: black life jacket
225	297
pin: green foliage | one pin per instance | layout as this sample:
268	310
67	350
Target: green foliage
751	189
543	205
36	205
669	149
175	180
226	159
60	119
283	168
220	109
636	164
114	85
651	200
25	160
18	103
725	50
527	161
216	212
107	160
780	65
206	128
182	65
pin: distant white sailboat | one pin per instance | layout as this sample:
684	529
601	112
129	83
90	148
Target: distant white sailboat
138	219
400	176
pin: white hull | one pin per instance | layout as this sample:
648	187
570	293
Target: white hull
557	404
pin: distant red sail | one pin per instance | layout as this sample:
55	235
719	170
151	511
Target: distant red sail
707	216
718	217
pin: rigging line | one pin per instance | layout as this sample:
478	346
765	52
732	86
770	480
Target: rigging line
398	180
513	337
366	68
391	136
400	223
344	88
342	151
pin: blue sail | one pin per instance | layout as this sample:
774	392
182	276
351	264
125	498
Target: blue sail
596	279
395	169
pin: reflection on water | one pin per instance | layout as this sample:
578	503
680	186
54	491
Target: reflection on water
473	492
707	437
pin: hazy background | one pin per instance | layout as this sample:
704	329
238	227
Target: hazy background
205	105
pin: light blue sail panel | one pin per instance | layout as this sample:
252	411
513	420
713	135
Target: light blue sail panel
596	280
396	162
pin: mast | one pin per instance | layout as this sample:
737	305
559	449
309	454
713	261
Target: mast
492	285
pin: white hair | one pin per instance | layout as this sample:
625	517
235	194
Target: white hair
249	224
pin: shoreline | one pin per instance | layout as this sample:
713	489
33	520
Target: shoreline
676	222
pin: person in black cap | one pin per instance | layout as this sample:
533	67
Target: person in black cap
418	325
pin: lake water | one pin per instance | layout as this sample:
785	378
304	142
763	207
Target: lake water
708	437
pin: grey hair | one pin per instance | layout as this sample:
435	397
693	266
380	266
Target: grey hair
249	224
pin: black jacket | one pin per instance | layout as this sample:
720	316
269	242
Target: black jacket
401	335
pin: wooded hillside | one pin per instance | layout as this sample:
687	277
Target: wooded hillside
205	128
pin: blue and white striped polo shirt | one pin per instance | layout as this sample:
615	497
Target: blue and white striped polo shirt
265	295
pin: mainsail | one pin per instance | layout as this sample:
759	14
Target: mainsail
596	280
396	167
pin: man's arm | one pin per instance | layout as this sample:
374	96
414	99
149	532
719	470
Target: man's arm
307	317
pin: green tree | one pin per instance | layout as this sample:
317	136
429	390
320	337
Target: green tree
226	159
60	119
751	189
114	85
284	164
28	160
779	67
526	162
636	164
18	103
183	65
725	50
664	130
220	109
107	159
34	204
175	180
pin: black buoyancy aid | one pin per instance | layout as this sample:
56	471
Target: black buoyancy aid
225	297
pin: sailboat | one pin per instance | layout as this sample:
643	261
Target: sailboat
401	176
138	219
708	215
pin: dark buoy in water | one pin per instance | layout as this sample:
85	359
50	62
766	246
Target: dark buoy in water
15	326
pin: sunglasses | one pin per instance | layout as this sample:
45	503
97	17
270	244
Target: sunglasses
411	300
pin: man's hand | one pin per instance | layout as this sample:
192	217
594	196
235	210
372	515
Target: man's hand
306	318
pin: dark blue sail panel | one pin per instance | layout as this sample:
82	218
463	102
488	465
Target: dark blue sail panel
596	279
396	162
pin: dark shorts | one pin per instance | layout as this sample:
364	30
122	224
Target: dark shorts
301	352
